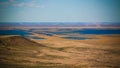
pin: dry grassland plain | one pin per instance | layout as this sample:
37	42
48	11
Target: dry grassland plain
102	51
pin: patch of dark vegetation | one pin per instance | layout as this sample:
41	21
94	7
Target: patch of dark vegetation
113	51
17	41
3	65
46	63
63	48
103	64
60	49
33	37
54	56
77	38
21	61
49	57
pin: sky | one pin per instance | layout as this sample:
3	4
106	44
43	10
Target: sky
59	10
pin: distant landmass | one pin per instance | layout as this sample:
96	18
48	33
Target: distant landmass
64	24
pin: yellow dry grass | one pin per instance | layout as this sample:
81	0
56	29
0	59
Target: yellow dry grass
103	51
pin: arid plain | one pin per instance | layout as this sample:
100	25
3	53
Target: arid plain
54	50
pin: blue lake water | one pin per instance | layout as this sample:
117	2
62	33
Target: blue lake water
13	32
98	31
62	32
83	31
23	33
49	34
89	31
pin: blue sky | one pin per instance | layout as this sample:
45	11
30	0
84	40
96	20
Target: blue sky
59	10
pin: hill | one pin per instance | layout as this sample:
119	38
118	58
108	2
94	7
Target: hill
55	52
14	50
19	52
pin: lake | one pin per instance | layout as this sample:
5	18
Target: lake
62	32
89	31
80	31
23	33
13	32
98	31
